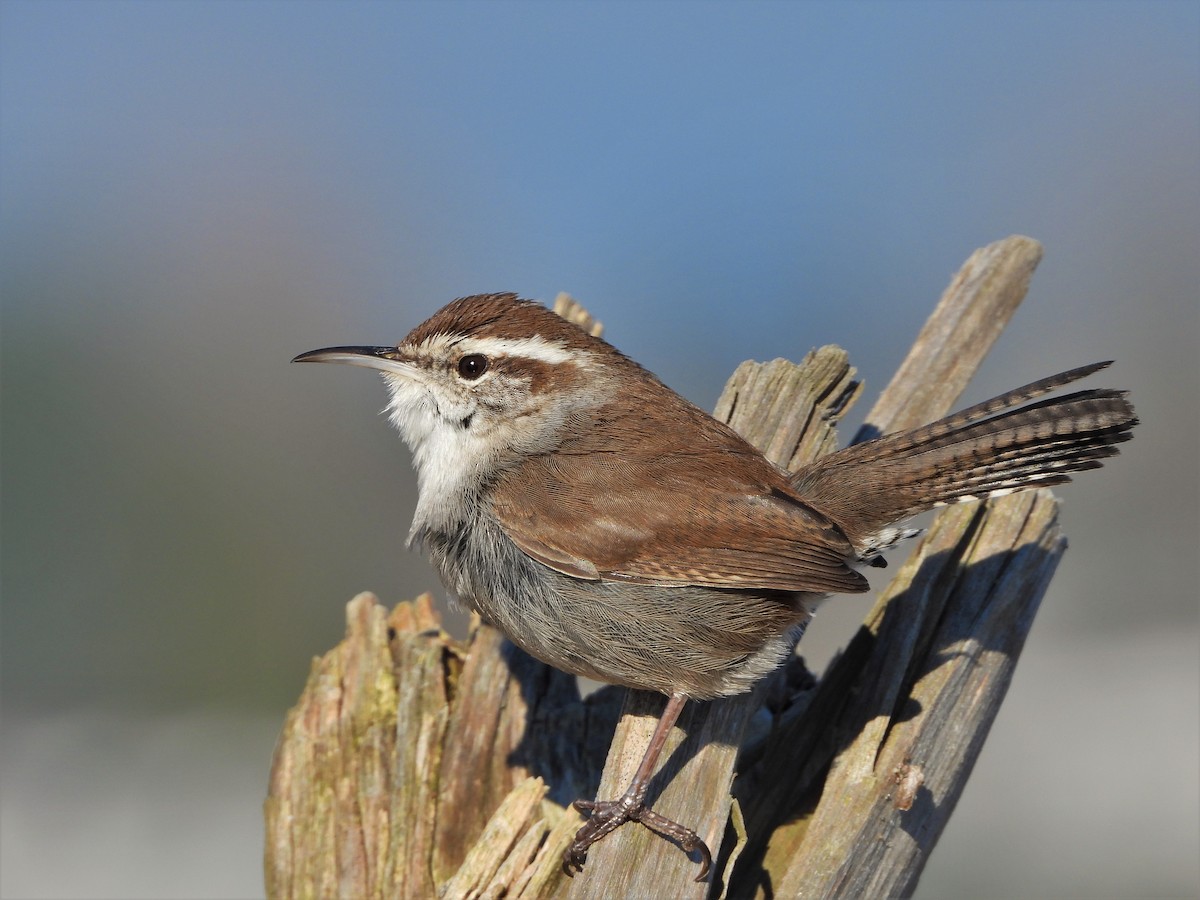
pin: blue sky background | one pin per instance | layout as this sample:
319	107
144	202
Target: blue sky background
192	193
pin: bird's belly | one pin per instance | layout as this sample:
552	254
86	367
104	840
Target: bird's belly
705	642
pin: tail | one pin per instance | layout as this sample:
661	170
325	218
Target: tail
984	451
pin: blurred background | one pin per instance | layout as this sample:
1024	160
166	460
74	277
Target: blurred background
192	193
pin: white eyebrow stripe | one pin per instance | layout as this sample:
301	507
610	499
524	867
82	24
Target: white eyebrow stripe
534	347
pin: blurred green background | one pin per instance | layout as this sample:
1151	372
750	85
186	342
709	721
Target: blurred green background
192	193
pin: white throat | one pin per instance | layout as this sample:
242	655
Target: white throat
451	461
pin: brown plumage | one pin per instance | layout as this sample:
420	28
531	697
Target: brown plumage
614	530
986	450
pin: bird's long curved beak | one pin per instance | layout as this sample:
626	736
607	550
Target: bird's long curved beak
382	359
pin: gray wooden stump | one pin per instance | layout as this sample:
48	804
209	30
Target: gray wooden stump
415	765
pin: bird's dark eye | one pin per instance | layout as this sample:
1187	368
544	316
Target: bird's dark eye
472	366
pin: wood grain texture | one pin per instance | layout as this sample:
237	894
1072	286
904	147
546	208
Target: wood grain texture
415	765
973	311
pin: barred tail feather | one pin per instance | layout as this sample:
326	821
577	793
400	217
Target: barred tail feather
986	450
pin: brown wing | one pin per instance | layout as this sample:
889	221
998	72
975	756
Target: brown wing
708	510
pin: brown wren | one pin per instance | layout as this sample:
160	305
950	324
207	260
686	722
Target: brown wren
612	529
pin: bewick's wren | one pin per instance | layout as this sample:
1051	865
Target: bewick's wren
612	529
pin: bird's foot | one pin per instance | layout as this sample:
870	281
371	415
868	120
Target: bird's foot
609	815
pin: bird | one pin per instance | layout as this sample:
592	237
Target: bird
614	530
